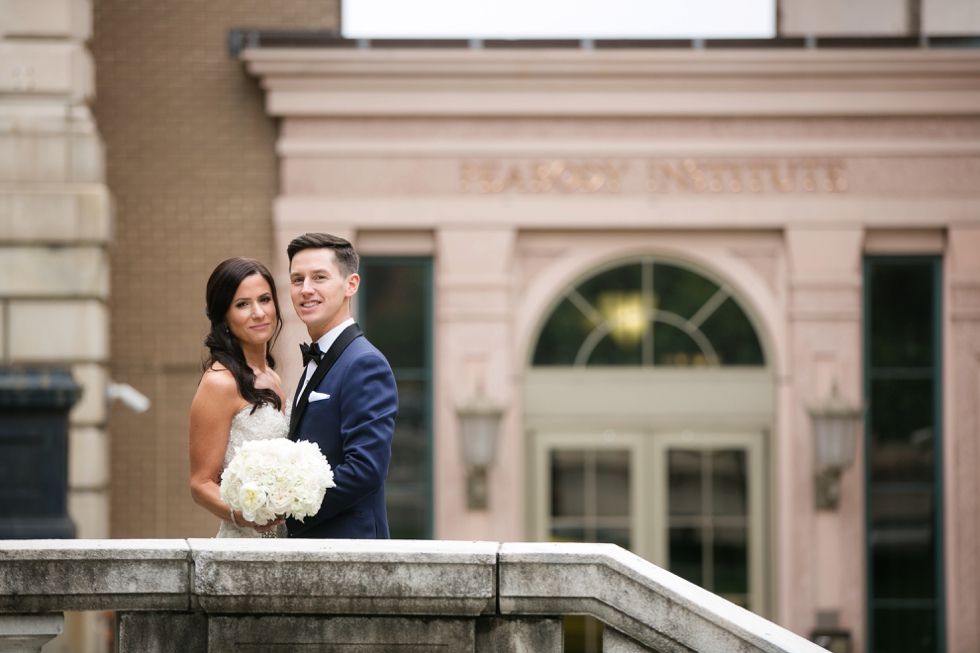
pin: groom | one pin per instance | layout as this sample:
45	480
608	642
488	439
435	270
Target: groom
346	400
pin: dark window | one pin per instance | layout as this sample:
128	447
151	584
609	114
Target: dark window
396	315
648	313
902	374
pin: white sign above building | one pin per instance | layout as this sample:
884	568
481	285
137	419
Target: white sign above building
558	19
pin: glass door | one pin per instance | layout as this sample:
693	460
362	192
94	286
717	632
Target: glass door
692	503
590	489
708	516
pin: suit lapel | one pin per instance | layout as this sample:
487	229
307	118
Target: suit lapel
346	337
299	388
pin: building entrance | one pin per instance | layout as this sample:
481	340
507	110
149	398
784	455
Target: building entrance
648	403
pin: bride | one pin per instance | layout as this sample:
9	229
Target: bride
240	396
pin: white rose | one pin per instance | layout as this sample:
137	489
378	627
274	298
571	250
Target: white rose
280	499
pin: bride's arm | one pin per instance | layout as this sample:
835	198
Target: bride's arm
215	404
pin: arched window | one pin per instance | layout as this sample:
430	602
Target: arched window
648	313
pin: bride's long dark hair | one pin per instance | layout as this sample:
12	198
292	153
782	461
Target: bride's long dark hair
224	347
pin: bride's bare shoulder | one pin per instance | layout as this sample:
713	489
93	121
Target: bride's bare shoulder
218	383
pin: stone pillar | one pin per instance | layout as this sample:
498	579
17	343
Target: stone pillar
55	226
161	632
364	634
474	277
54	231
526	635
825	328
27	633
961	444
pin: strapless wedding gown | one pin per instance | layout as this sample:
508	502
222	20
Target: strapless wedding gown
265	423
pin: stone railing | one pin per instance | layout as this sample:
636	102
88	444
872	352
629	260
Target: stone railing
188	596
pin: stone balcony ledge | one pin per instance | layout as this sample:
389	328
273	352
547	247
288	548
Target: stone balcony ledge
646	607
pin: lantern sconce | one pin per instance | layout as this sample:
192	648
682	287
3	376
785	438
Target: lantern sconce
835	425
479	425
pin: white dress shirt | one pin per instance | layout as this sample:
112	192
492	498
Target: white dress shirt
324	343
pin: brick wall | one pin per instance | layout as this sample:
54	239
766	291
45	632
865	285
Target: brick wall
192	169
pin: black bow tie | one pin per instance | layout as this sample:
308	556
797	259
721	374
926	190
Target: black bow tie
311	353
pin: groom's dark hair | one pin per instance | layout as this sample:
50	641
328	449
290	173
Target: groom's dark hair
347	259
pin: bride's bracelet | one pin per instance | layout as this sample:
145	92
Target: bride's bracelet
232	511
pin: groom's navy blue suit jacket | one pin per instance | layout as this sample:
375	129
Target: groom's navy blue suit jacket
353	428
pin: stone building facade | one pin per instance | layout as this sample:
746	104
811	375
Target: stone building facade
583	207
773	176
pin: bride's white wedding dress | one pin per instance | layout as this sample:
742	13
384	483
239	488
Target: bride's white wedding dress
265	423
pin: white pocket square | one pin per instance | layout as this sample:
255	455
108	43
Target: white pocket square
317	396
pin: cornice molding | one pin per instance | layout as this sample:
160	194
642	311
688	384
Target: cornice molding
627	212
599	83
363	148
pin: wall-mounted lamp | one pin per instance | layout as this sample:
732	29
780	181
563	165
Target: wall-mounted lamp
479	424
835	424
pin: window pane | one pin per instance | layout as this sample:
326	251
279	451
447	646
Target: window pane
407	515
410	444
684	482
902	546
394	312
612	484
901	430
563	334
731	562
904	631
623	279
733	336
610	352
674	348
686	554
728	483
567	483
901	314
680	291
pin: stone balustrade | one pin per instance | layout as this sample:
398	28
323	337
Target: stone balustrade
197	595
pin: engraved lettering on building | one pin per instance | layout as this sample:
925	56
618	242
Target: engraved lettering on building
559	175
746	176
732	176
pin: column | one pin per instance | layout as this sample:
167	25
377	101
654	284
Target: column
54	231
27	633
825	332
474	272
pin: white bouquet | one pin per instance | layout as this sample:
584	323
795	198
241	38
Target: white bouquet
270	478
